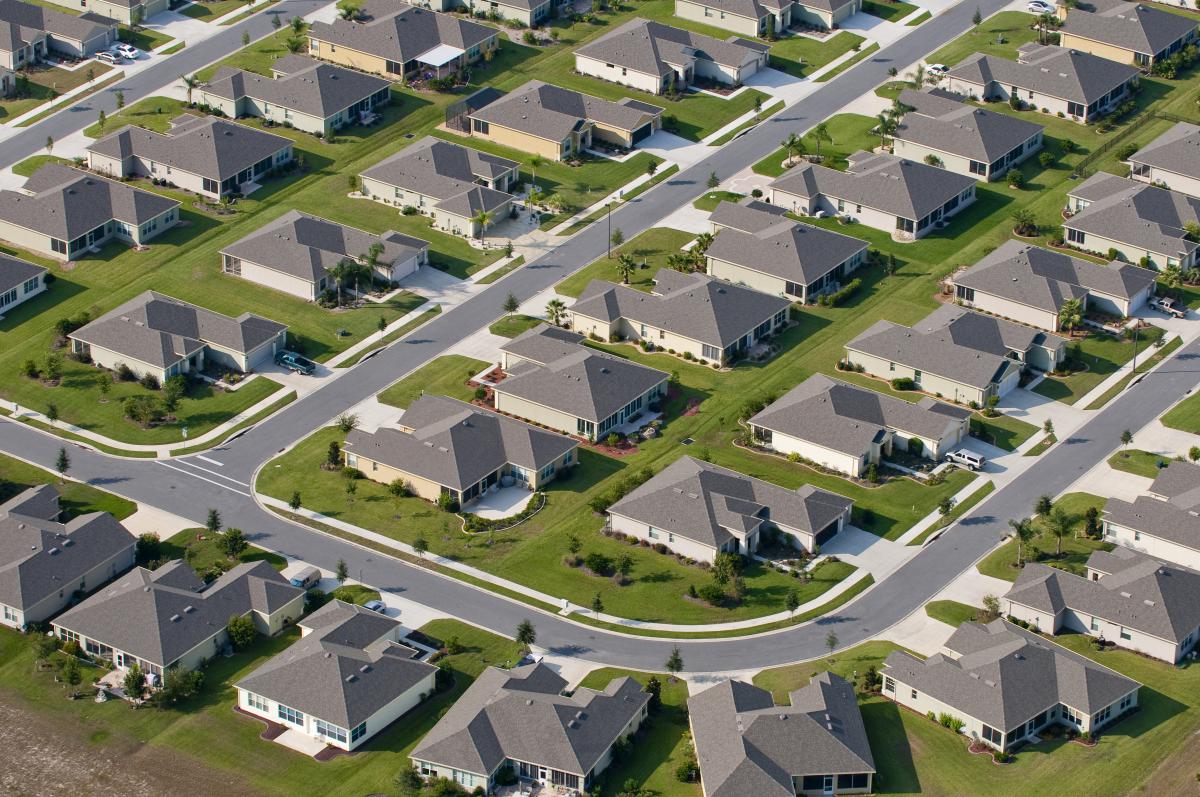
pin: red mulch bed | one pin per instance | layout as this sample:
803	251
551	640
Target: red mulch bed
273	730
693	407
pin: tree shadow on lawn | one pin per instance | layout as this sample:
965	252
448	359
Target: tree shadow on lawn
891	747
58	291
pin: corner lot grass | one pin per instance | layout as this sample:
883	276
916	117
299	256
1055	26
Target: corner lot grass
206	736
209	10
1076	547
800	56
1102	355
27	167
709	201
650	248
512	325
998	35
951	612
848	133
47	82
75	498
445	376
200	550
1002	431
1139	463
888	10
1184	416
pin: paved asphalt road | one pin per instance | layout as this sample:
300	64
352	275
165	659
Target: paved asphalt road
188	487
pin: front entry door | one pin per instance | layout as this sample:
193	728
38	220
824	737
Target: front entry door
828	784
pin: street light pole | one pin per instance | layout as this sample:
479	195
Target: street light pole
609	218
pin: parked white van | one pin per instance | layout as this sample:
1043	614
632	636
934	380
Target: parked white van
968	459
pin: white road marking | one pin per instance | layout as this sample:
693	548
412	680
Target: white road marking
213	472
201	478
213	461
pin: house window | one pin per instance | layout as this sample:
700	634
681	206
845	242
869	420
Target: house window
1137	536
291	715
964	293
889	685
1101	716
8	297
330	731
1125	634
914	694
978	168
359	732
1126	702
351	460
1095	620
58	246
68	636
480	126
793	289
256	701
710	352
1071	715
1075	236
652	534
11	615
992	735
31	285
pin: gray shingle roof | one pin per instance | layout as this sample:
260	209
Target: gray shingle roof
712	505
1055	71
848	418
905	188
160	615
988	333
66	203
1178	483
446	172
40	556
695	306
1177	150
653	48
1156	518
746	745
758	236
936	350
207	146
941	122
551	112
15	271
79	28
400	32
753	9
160	331
308	247
519	714
561	373
1045	279
1140	28
1145	594
456	444
343	670
308	86
1143	216
1005	675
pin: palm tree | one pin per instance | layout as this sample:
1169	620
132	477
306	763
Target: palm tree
886	125
1045	22
793	145
1022	532
344	272
483	218
190	84
625	267
1172	276
294	44
918	77
1070	315
678	261
1058	523
534	163
820	132
556	310
298	25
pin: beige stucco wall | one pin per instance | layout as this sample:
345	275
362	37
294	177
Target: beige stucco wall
829	458
1111	52
930	383
270	278
678	544
447	222
1176	182
958	163
1023	313
618	74
525	142
386	474
1152	545
1082	623
115	11
356	59
686	9
537	413
55	602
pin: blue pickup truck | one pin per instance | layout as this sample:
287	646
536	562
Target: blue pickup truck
294	362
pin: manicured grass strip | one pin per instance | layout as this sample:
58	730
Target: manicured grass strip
1041	447
888	10
1139	463
849	62
998	35
782	681
58	106
800	56
447	376
27	167
1184	416
1076	545
174	48
918	19
266	412
75	498
504	270
651	247
708	202
746	125
961	508
199	549
1151	361
1002	431
394	335
598	213
512	325
248	13
144	39
66	435
951	612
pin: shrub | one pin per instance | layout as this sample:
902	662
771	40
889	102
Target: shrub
1046	159
1126	151
241	631
447	503
143	410
408	210
598	563
845	293
903	383
1016	179
711	594
125	373
149	381
480	393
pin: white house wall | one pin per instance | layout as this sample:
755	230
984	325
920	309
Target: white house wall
1151	545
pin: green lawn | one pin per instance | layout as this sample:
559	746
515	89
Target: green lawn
849	62
445	376
512	325
650	249
209	10
199	549
1002	431
1184	416
394	335
660	745
1077	547
782	681
708	202
848	133
1101	356
1144	364
1139	463
144	39
1041	446
45	84
27	167
999	35
800	56
961	508
889	10
951	612
918	19
75	498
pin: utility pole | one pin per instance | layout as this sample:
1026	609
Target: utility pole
609	217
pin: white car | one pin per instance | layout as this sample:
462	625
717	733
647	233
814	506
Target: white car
937	69
127	51
1039	7
108	58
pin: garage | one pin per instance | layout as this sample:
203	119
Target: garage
642	133
826	534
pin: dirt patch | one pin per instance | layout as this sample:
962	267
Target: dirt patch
58	759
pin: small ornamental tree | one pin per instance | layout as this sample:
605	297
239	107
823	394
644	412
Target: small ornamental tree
213	522
526	635
233	543
341	571
62	464
241	631
134	682
294	502
674	663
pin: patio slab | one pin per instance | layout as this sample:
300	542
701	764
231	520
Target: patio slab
500	504
300	742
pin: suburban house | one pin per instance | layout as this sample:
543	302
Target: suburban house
1163	524
958	353
210	156
1127	598
757	245
346	679
1172	160
530	13
127	12
448	182
1145	224
157	335
167	618
62	213
847	428
20	280
899	196
1056	80
297	252
760	18
401	42
552	379
557	123
303	93
1128	33
1007	684
47	564
1029	285
698	509
747	745
447	447
660	59
689	313
962	138
519	720
29	33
